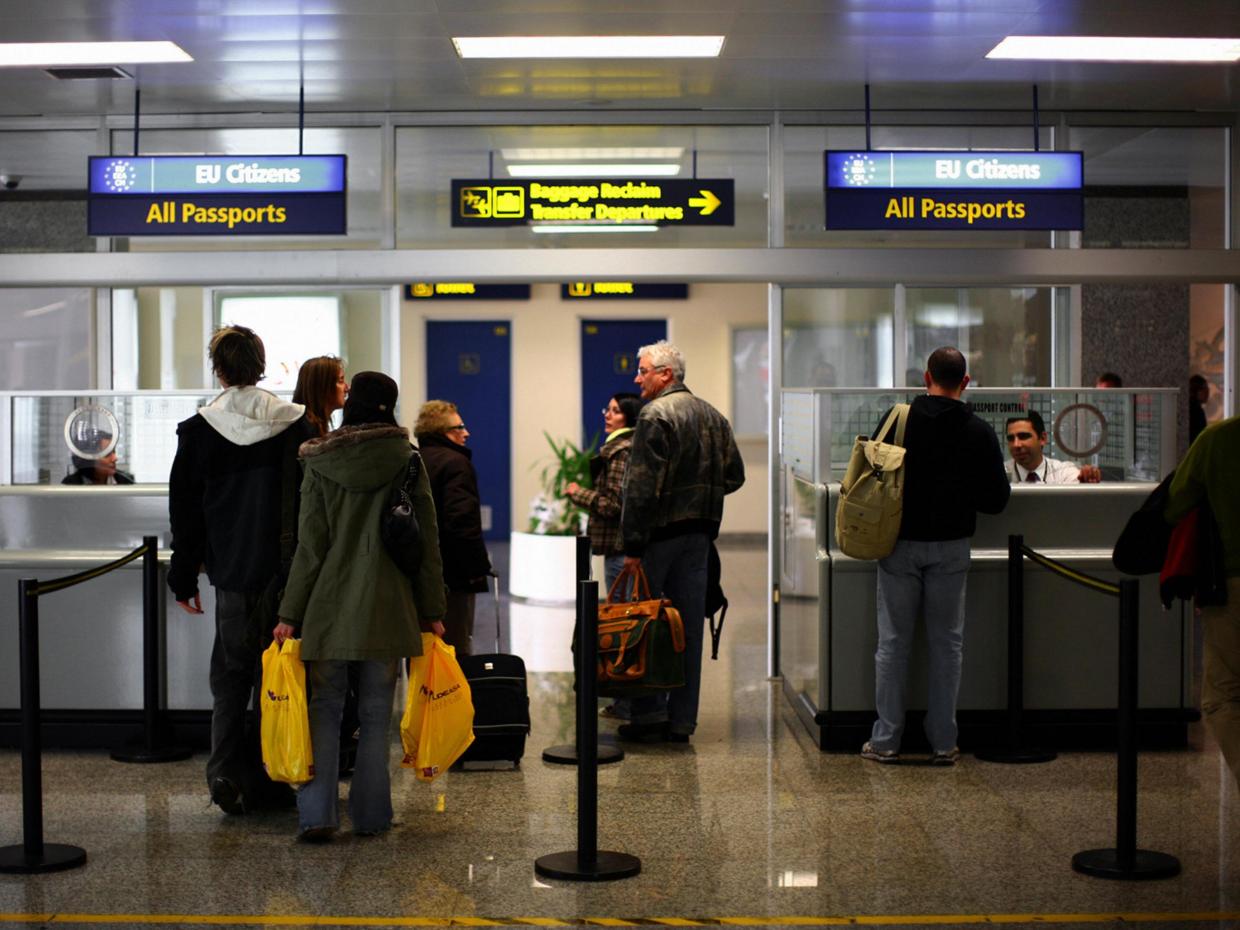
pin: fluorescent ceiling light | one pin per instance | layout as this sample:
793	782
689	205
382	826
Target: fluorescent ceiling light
592	228
1117	48
588	46
590	170
68	54
608	153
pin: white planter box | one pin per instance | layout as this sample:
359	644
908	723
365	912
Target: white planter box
543	568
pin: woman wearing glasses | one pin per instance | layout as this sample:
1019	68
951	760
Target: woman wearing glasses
441	436
602	501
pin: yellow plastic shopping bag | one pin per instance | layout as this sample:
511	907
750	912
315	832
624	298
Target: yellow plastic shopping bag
285	716
438	724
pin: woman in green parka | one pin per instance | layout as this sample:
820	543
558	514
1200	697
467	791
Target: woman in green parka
350	603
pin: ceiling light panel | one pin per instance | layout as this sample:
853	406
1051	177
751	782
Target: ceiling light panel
588	46
1117	48
594	170
609	153
69	54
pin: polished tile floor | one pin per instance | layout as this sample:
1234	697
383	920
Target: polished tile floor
748	825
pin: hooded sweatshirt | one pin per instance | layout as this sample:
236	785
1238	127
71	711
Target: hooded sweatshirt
953	470
225	490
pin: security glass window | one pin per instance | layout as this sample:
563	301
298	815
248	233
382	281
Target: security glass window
838	337
1005	333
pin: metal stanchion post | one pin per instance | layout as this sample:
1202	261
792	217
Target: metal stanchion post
565	753
149	748
587	863
1125	861
33	855
1016	753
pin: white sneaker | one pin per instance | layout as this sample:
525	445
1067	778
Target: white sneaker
886	756
945	756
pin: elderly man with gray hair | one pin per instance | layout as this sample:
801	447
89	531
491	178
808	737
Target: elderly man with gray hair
683	461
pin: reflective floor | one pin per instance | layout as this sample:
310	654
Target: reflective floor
748	825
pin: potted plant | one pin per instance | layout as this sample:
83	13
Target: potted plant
544	559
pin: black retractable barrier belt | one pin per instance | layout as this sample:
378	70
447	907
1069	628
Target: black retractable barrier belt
1072	574
59	584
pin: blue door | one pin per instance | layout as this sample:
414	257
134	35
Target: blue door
609	363
470	364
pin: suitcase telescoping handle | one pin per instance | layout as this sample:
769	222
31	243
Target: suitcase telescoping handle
494	576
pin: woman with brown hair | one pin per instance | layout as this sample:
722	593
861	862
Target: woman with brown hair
321	387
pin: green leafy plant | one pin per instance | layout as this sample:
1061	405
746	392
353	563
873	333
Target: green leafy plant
551	513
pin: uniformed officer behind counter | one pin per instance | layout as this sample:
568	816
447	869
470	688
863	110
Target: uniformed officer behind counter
1026	435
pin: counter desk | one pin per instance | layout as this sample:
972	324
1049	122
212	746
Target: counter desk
828	628
91	634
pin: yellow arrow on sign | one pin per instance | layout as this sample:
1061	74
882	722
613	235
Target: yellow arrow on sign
708	202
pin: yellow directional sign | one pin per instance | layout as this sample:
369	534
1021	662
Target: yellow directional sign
708	202
597	201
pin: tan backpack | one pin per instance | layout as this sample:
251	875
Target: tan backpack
867	520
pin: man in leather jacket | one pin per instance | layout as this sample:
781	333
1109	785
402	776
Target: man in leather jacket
684	460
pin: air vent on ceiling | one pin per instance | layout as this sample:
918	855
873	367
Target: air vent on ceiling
110	73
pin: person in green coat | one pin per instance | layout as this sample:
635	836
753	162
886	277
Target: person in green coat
1206	475
350	603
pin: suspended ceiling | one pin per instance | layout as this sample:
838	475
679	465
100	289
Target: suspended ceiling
396	55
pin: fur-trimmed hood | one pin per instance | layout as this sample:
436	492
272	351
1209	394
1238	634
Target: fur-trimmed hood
359	458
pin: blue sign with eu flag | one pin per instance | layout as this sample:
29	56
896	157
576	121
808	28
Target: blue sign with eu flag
209	195
954	190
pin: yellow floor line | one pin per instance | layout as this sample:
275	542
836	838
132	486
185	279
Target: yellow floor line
888	920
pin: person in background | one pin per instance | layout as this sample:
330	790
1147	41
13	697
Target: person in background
1109	379
1198	397
97	471
321	389
352	605
1207	475
441	436
953	470
225	496
607	469
603	501
684	461
1026	437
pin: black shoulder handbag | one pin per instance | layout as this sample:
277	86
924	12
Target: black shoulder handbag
398	523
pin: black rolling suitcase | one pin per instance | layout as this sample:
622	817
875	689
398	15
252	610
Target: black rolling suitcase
501	702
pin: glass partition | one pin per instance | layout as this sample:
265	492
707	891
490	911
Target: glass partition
1005	333
33	447
1129	433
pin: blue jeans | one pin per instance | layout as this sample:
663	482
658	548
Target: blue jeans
611	568
925	579
370	791
676	568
